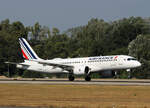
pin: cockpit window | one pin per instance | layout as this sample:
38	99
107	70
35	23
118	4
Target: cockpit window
129	59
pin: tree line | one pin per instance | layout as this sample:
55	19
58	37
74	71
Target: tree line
127	36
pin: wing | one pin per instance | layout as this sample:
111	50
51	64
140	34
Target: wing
65	67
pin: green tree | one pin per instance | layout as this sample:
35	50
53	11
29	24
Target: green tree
55	31
139	48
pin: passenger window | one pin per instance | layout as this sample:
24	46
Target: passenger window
129	59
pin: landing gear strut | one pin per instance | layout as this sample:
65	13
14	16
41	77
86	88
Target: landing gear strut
115	75
129	73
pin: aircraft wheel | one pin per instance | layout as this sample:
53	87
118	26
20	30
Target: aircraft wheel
71	78
87	78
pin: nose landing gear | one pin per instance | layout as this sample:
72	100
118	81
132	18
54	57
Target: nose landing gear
129	73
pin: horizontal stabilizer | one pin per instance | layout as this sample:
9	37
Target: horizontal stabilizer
16	63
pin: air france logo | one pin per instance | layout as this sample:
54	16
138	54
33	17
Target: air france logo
102	58
115	57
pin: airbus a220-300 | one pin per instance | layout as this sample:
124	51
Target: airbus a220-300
73	66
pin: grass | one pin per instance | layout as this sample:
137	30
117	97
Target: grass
74	96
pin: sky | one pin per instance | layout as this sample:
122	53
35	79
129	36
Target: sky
65	14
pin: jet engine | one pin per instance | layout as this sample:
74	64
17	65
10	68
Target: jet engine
81	70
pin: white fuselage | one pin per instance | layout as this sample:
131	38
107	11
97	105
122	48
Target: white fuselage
99	63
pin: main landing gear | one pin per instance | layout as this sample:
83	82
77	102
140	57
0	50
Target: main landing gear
87	78
87	74
86	71
71	78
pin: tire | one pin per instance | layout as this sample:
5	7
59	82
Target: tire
87	78
71	78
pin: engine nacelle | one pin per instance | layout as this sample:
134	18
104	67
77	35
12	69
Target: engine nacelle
81	70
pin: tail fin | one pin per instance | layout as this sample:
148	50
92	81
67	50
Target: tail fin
27	51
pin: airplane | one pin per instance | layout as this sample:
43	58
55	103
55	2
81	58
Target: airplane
73	66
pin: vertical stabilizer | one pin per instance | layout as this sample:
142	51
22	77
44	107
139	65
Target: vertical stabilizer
27	51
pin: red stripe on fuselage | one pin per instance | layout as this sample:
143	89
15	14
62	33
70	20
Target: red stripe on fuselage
24	55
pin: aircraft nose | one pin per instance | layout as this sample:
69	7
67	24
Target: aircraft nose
138	64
